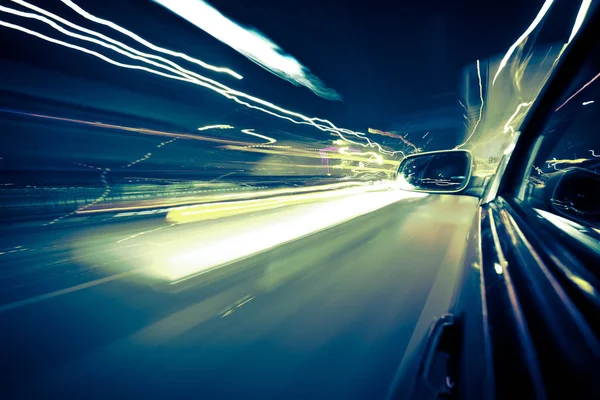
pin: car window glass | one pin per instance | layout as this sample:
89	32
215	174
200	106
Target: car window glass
563	183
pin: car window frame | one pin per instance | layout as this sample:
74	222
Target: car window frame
567	257
516	170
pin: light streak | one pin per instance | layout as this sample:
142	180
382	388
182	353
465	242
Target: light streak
498	268
233	244
194	78
344	151
171	204
269	140
143	131
325	160
527	32
538	170
389	134
206	128
554	161
578	91
585	5
202	212
107	190
465	108
480	107
122	48
315	155
585	103
250	43
508	127
594	154
140	40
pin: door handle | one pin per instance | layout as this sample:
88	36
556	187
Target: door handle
444	337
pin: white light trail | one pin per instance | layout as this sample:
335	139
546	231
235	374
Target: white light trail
269	140
138	39
229	243
508	127
118	48
105	38
543	11
249	42
480	107
208	127
585	6
182	74
585	103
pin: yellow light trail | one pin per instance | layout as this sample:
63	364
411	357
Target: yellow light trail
296	152
319	166
344	151
183	260
554	161
194	78
215	198
218	210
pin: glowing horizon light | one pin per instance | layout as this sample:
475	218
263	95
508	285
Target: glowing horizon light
250	43
207	127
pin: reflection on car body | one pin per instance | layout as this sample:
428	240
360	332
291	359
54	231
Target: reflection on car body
528	310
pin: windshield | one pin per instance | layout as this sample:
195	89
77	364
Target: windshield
167	165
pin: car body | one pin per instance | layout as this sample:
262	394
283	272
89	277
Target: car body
525	321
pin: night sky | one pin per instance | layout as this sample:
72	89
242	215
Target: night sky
386	58
392	61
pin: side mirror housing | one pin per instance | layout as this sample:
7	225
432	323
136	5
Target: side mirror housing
447	171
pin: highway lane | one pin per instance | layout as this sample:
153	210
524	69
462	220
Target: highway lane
331	315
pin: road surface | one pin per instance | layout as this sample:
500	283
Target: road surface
334	314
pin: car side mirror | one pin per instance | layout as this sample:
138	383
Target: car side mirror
447	171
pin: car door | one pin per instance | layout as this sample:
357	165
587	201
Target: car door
526	319
540	247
